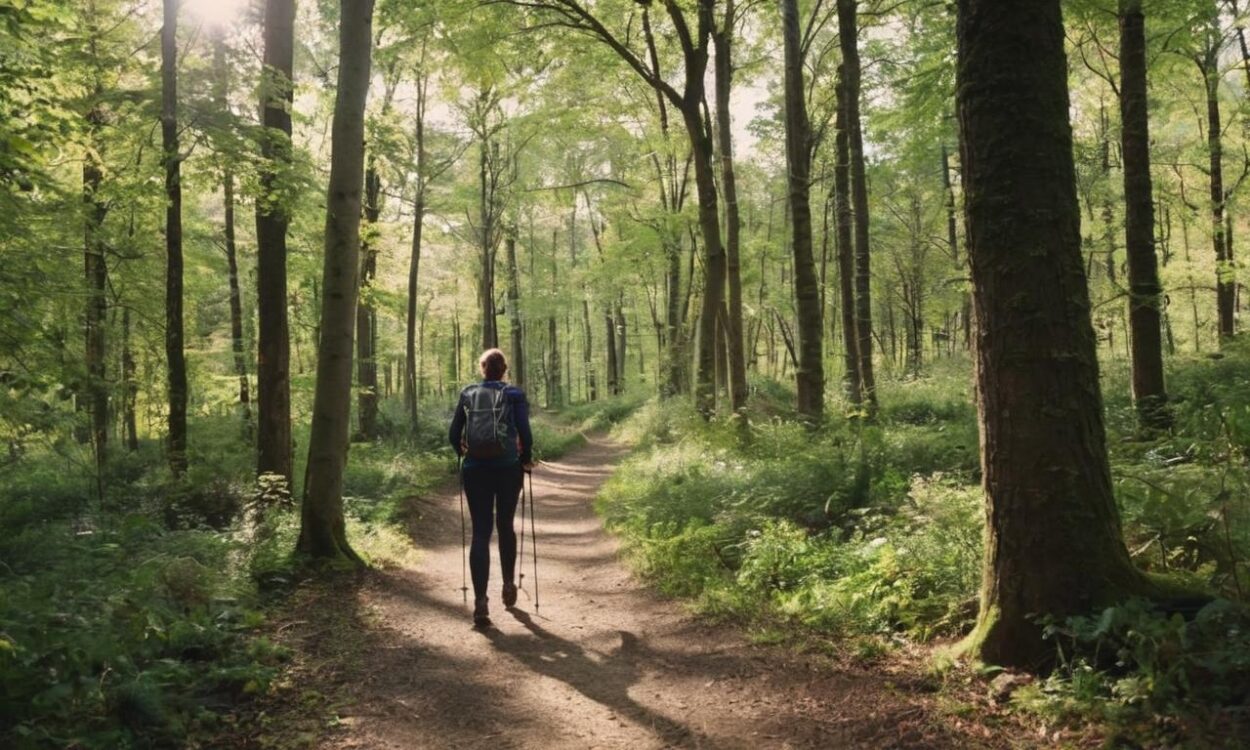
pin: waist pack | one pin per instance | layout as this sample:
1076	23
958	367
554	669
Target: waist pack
488	416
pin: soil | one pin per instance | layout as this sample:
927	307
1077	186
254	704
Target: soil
605	662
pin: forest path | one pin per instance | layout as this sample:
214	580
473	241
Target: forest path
606	663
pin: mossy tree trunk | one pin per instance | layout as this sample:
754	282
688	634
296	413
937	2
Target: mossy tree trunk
322	530
1053	542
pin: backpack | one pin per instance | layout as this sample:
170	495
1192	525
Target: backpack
488	414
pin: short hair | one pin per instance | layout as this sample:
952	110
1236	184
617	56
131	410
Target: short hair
493	364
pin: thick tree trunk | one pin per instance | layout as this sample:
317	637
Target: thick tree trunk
516	366
322	529
221	74
809	372
613	369
846	248
174	354
366	314
736	353
273	361
1053	541
848	36
714	260
1145	292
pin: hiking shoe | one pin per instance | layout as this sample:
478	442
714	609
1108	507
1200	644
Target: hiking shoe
481	613
509	595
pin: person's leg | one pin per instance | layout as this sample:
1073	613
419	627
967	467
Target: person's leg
507	492
479	489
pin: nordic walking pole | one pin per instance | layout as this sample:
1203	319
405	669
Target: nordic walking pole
464	553
520	561
534	540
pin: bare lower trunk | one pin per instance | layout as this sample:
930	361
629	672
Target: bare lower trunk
735	350
848	33
846	249
366	314
174	354
322	529
1145	292
517	365
273	361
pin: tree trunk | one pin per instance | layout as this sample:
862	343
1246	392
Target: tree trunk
366	314
411	395
96	269
130	389
1145	292
621	348
848	36
221	74
322	529
1225	281
273	362
809	372
1053	540
613	367
174	355
723	45
845	247
555	393
517	361
714	259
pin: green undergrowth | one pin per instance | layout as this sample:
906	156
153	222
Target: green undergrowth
869	535
134	609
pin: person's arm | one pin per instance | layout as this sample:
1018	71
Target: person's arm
456	433
521	411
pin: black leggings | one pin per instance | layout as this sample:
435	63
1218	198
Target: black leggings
497	490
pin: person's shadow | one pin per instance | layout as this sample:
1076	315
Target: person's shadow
606	681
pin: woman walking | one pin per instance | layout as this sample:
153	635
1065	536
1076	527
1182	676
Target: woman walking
491	433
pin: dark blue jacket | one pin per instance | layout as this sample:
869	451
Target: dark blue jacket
518	431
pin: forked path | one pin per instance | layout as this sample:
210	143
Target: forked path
605	663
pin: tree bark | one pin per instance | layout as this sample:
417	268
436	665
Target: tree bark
130	389
809	371
1225	282
517	363
846	247
322	530
96	269
1145	291
411	395
273	361
366	314
174	354
221	94
722	42
1053	540
848	37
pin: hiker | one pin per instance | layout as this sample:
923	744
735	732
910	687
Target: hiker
491	433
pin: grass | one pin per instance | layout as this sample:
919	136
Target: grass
871	534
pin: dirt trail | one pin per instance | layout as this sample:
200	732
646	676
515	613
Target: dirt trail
606	663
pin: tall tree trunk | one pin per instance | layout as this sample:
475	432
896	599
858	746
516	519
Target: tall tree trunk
1108	210
613	369
1053	540
366	314
322	529
221	94
1225	282
555	393
515	322
714	258
273	361
845	247
96	270
411	395
174	354
1145	292
723	44
848	37
809	372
